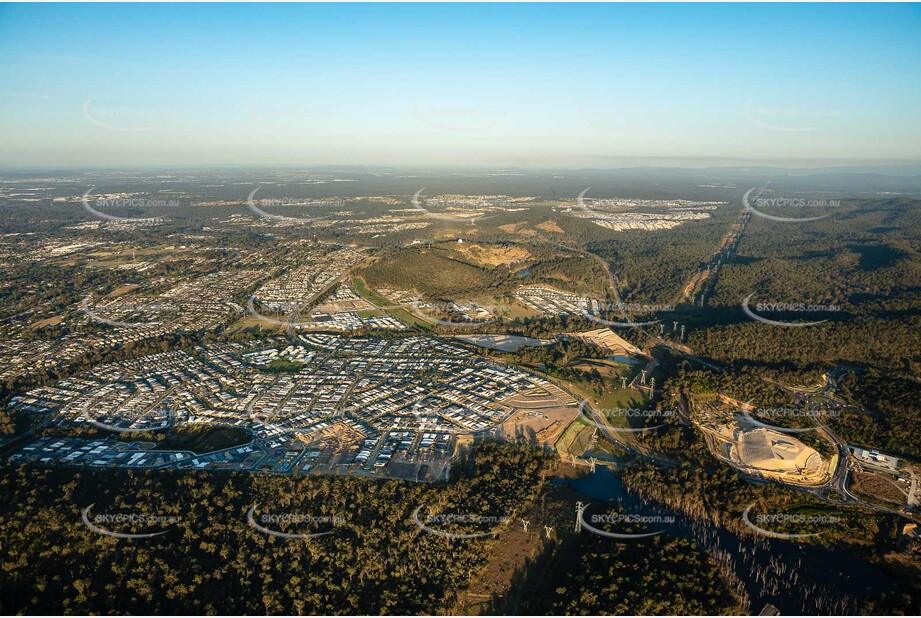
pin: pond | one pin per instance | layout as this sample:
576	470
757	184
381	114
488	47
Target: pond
626	360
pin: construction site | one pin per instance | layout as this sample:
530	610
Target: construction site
762	452
756	449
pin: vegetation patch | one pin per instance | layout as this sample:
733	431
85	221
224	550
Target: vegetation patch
282	365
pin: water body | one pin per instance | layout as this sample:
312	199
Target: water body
797	578
626	360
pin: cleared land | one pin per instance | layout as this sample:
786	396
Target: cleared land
123	290
543	426
360	286
52	321
493	255
878	487
550	226
607	339
768	454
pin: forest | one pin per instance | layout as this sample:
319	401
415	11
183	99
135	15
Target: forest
377	562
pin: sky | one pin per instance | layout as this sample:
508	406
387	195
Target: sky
509	85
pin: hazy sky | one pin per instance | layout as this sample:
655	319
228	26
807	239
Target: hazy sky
521	84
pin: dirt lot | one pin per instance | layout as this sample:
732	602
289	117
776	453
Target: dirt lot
52	321
607	339
878	486
122	290
518	228
542	427
606	369
345	305
495	255
550	226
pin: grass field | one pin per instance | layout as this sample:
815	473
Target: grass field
571	436
371	295
405	316
615	398
252	324
359	285
605	368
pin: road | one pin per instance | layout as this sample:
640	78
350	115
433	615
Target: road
914	492
637	379
729	243
838	481
602	423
